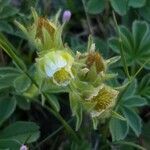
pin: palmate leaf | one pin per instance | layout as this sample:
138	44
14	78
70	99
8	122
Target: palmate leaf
7	81
126	145
95	6
130	90
22	83
134	101
137	3
7	144
22	102
7	77
119	6
133	120
136	44
4	71
128	100
8	11
7	107
145	11
21	131
144	87
122	6
118	128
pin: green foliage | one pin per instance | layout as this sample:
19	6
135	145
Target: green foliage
21	131
128	101
134	101
118	128
22	83
144	87
75	105
53	100
135	45
6	144
22	102
133	120
6	13
121	7
7	107
145	11
25	95
95	6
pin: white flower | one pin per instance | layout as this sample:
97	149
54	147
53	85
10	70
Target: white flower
56	65
105	100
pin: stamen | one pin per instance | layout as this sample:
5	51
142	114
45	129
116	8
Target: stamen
104	98
61	76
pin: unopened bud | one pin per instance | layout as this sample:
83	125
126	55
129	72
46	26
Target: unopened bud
66	16
23	147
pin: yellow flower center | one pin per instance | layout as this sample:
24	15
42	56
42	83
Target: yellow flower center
104	98
61	76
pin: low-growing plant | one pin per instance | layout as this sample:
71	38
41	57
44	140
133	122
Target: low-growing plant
104	94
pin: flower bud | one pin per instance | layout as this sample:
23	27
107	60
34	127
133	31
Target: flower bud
23	147
66	16
95	58
46	24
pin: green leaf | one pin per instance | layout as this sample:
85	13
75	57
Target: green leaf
8	11
101	46
145	11
120	6
7	80
22	83
145	134
53	100
114	44
118	128
144	87
7	107
130	144
134	101
117	115
22	102
139	31
10	50
74	98
137	3
9	144
79	115
131	89
95	122
4	71
133	120
50	88
5	27
95	6
21	131
76	107
135	45
5	2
